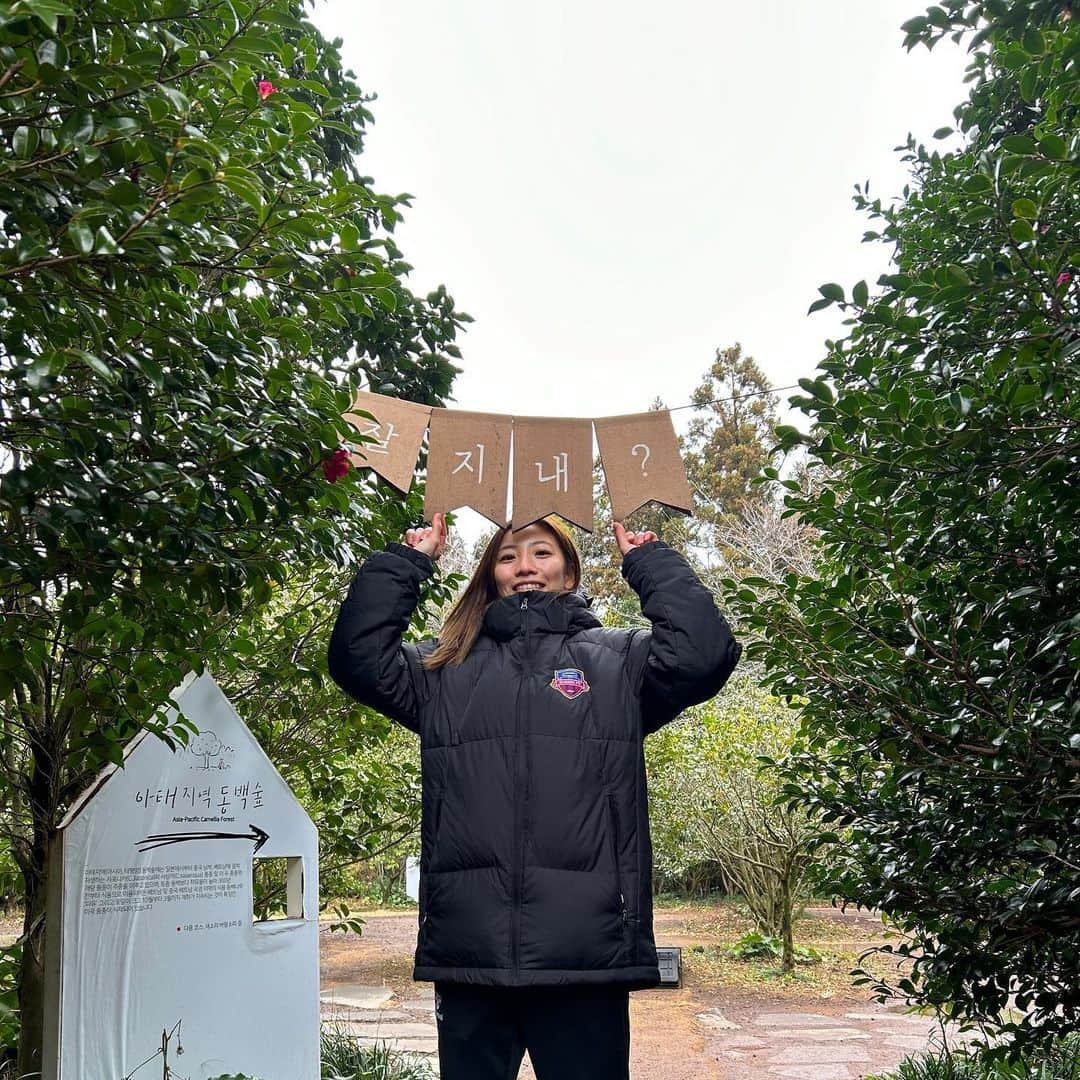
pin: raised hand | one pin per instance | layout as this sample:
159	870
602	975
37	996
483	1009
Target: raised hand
430	540
629	541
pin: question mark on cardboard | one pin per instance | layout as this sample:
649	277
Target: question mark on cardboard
645	456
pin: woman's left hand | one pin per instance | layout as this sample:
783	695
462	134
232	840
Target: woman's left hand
430	540
628	541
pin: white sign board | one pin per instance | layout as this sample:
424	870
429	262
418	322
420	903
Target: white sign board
156	965
412	878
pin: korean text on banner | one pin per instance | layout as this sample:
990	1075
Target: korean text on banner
397	430
552	470
641	462
468	463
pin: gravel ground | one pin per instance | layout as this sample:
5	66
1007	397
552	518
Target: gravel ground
701	1031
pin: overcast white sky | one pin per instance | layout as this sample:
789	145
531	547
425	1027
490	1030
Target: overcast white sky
613	190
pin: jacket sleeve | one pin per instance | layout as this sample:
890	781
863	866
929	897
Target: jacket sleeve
690	651
367	657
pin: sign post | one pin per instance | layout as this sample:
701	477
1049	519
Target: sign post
153	949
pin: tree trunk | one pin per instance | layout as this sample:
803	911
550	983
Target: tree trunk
32	856
787	958
31	989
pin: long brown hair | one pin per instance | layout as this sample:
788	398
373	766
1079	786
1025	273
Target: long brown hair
462	626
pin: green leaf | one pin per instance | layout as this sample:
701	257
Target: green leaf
916	25
48	11
104	243
1033	41
1054	146
832	291
1025	208
24	141
978	184
1029	83
124	193
1022	231
978	214
1019	144
96	364
819	388
301	121
786	434
82	236
1026	394
860	293
52	54
245	185
176	98
157	109
152	370
77	129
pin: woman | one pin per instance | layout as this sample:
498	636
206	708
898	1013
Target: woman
536	864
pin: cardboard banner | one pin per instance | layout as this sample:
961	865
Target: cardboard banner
642	463
468	463
552	470
398	430
468	460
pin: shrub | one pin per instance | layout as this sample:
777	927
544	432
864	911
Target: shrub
1060	1061
934	649
758	946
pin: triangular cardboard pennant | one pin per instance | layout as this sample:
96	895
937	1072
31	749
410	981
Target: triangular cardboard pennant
552	470
468	463
641	461
397	430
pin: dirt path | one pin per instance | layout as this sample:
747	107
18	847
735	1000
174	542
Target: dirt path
696	1032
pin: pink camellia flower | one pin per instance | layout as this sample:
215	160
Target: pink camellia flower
336	465
266	88
1063	278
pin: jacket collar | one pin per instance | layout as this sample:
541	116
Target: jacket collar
547	613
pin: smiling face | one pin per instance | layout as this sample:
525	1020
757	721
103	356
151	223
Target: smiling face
530	560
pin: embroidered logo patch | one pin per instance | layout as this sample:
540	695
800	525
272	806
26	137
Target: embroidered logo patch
570	682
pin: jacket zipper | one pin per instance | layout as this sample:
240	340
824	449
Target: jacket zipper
519	823
615	856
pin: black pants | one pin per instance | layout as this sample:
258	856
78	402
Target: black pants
571	1032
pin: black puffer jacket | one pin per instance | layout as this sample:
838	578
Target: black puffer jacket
536	863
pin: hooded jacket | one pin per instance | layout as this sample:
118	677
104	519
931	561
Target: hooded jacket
536	861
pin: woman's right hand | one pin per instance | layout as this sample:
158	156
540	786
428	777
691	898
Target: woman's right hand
430	540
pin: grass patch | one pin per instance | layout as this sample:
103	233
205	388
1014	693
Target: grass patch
731	954
715	966
678	902
343	1058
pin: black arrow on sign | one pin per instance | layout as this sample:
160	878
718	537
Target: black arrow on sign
164	839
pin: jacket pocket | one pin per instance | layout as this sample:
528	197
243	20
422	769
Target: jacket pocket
613	813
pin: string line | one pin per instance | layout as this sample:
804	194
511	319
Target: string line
734	397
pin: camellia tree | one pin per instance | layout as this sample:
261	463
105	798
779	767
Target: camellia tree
194	274
936	649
